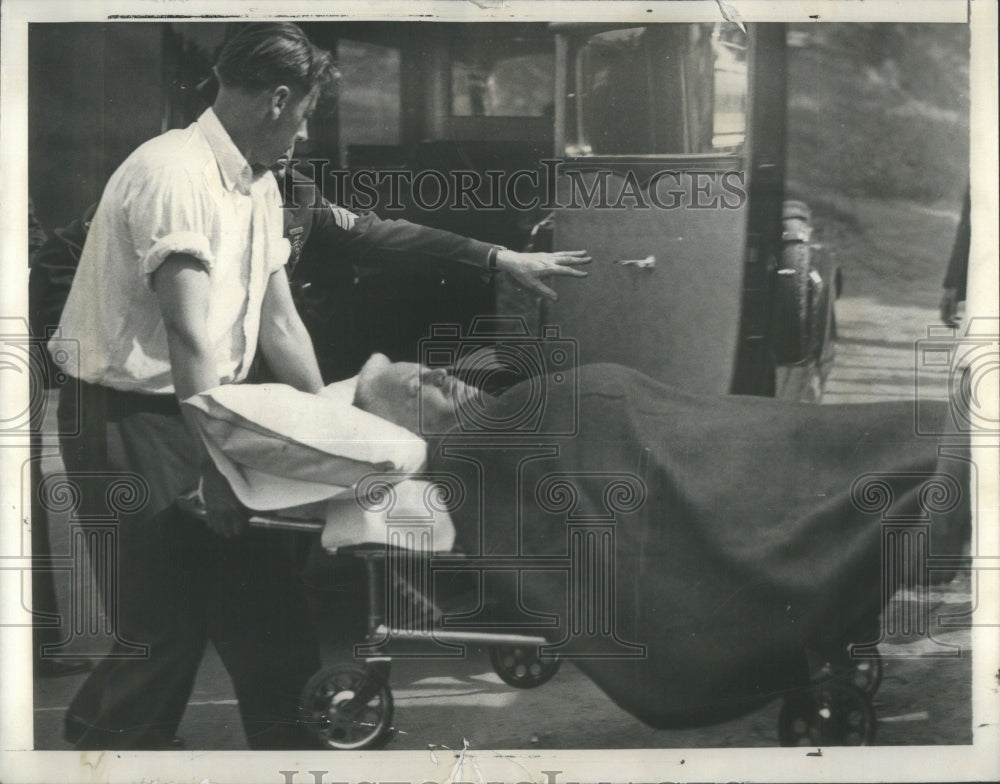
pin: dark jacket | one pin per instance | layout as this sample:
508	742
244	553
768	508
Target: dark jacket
331	235
364	284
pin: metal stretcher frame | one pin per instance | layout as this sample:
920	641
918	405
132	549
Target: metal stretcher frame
349	706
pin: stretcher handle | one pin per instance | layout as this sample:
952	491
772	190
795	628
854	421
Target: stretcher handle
192	505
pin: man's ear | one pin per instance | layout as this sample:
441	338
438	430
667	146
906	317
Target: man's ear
280	98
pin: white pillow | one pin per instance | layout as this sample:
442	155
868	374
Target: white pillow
407	520
280	447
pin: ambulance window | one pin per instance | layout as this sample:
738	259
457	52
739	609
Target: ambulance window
659	90
723	100
500	77
368	94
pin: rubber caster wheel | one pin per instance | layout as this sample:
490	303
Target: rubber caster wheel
348	707
829	714
521	667
866	673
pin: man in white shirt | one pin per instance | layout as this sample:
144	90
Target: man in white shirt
181	277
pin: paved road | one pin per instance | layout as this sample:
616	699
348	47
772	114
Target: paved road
880	356
443	704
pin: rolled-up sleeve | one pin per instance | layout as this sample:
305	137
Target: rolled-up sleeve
278	254
166	215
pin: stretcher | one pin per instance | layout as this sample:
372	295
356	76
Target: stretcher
349	705
719	619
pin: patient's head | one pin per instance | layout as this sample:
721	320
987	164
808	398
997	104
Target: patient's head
410	395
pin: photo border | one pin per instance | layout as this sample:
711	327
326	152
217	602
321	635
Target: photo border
976	762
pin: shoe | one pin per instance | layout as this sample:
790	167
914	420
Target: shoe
74	729
53	668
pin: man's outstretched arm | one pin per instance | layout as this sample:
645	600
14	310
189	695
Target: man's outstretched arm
340	234
372	239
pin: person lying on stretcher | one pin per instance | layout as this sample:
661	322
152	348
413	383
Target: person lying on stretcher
744	531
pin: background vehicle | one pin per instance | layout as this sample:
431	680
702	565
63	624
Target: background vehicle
659	148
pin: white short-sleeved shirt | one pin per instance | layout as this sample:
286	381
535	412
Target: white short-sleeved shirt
188	191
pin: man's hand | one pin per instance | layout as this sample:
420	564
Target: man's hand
226	515
528	269
949	307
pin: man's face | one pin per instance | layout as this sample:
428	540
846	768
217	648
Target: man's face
411	395
291	125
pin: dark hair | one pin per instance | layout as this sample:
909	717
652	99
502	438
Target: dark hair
268	54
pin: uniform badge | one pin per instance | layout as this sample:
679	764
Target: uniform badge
295	237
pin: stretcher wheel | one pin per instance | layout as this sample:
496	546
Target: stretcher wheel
867	673
828	714
521	666
348	707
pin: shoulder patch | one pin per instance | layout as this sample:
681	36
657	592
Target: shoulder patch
345	218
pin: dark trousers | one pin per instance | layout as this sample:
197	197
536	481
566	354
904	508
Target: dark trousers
177	585
43	589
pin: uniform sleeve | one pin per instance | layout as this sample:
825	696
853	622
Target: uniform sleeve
370	239
168	213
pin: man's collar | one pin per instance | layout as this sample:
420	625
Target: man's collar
235	171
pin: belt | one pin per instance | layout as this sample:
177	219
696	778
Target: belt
119	403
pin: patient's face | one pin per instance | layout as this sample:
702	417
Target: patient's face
410	395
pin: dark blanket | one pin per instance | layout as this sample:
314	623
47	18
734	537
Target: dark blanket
745	530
